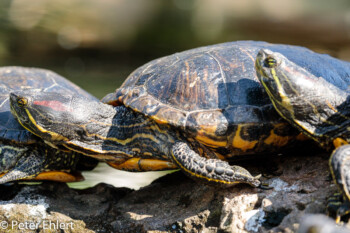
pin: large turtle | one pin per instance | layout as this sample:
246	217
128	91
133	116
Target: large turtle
191	110
23	155
316	104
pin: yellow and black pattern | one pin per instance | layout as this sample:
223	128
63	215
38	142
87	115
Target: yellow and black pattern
114	135
319	107
22	155
312	104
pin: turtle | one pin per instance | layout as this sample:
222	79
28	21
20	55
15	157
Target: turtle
24	155
317	104
195	111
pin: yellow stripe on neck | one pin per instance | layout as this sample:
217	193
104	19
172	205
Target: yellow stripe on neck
54	136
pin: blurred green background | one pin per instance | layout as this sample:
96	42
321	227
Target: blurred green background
96	44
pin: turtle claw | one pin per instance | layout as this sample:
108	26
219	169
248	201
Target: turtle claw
212	171
264	186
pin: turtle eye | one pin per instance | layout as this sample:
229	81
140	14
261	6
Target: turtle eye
22	102
270	62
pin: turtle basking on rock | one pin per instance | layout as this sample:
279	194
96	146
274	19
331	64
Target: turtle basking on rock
24	155
191	110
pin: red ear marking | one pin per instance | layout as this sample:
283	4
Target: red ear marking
55	105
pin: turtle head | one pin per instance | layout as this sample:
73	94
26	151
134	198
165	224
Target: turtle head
312	104
51	116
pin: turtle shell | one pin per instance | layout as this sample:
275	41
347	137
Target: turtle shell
211	92
19	78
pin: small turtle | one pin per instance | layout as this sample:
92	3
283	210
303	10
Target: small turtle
192	110
22	154
318	104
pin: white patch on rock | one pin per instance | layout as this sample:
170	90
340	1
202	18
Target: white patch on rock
37	210
255	220
280	185
136	216
8	209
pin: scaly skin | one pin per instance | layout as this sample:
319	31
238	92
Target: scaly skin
27	162
315	106
210	169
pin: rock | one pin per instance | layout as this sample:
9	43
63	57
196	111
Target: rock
56	207
174	203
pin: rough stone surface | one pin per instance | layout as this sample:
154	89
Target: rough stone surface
318	223
174	203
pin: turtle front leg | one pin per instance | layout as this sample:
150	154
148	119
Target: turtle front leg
39	163
28	166
213	171
339	165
